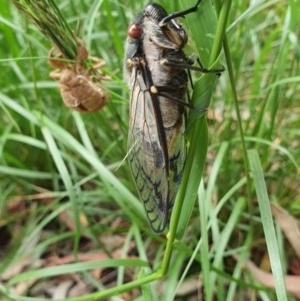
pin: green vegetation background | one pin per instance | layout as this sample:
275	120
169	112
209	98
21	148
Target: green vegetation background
55	161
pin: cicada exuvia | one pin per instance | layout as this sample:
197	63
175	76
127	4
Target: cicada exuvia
156	69
79	85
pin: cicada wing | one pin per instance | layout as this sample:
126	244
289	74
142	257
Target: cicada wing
146	155
176	163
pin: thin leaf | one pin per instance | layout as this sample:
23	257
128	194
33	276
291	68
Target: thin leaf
268	225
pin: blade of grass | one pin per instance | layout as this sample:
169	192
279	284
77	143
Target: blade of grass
65	176
233	88
268	224
205	21
76	267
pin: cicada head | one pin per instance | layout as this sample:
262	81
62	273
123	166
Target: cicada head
172	30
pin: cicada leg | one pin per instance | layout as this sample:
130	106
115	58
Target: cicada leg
188	64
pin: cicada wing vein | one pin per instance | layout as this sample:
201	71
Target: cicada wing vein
147	157
177	158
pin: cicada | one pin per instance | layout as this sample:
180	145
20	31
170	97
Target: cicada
156	69
79	86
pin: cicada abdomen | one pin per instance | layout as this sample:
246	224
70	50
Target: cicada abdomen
156	69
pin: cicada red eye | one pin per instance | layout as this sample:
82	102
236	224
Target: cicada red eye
134	31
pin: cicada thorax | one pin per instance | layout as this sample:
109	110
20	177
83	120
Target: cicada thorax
80	88
156	139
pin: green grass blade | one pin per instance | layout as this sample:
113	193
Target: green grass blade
268	224
76	267
193	173
205	21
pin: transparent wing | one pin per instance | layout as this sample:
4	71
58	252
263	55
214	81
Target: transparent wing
177	156
147	157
